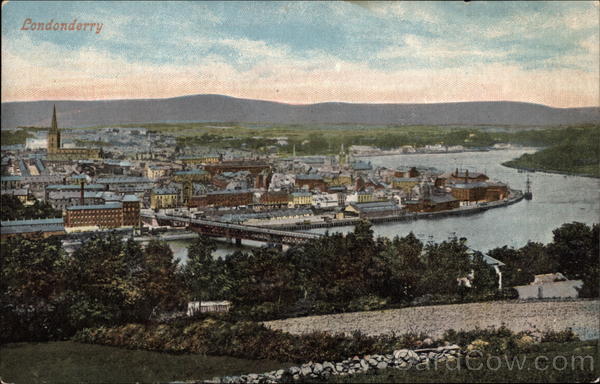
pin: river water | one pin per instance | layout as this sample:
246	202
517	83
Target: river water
557	199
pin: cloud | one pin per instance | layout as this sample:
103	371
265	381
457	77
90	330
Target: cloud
95	74
435	49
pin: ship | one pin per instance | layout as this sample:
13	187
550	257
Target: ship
528	195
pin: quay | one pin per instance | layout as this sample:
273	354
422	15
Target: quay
514	197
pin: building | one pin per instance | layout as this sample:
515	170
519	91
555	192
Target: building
195	307
208	158
223	198
192	175
469	192
310	182
405	184
275	199
20	193
11	182
108	215
254	167
325	201
164	198
466	177
154	172
126	184
72	188
373	209
361	166
64	199
57	153
550	285
300	199
496	191
433	203
32	228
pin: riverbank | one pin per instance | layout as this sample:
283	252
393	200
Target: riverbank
514	165
514	197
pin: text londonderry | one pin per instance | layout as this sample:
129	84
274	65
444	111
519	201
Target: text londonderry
30	25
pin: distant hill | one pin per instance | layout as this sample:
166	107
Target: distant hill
218	108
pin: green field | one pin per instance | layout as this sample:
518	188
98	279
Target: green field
69	362
576	372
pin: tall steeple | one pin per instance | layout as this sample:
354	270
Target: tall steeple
54	123
54	134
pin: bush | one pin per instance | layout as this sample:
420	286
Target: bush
559	336
242	339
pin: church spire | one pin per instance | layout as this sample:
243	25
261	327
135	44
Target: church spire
54	124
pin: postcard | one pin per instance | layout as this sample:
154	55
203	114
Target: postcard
300	191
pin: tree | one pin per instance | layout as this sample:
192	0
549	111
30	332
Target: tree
485	279
575	249
403	267
32	281
444	264
200	271
106	282
11	208
163	288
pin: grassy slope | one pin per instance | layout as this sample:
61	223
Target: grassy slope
69	362
528	373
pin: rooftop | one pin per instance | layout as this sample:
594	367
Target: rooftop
123	180
32	222
480	184
191	172
74	186
95	207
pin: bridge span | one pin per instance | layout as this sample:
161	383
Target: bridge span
233	231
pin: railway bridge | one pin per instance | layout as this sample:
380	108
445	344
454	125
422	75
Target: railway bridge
233	231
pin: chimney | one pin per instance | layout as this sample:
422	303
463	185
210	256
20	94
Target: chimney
456	172
467	176
82	196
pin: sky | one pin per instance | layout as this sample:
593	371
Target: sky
305	52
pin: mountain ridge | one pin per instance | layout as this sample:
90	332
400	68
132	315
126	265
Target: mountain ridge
224	108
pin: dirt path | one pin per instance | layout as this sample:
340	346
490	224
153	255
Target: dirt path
583	316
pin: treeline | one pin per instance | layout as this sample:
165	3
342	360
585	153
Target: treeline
48	294
577	153
11	208
359	272
319	140
339	273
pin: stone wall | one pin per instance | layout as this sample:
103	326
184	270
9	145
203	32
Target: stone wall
400	359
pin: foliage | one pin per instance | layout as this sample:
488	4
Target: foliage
319	139
11	208
577	153
357	271
15	137
244	339
47	294
575	249
573	252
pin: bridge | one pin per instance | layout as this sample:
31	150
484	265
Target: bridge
233	231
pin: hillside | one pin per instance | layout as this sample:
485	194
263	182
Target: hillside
218	108
577	154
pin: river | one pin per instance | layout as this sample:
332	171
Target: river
557	199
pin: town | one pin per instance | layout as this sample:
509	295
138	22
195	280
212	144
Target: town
129	184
